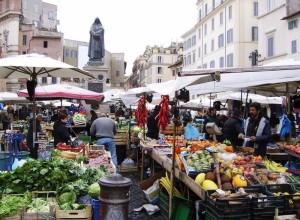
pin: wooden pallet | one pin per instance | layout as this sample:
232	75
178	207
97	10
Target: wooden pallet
85	214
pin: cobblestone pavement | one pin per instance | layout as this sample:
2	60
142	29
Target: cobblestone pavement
137	200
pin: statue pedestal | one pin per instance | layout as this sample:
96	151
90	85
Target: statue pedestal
100	72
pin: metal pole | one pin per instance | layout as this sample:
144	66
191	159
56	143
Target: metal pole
173	159
34	78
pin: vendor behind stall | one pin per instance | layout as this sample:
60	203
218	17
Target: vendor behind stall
232	128
152	123
60	131
257	130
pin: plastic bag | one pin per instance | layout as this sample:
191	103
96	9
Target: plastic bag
191	133
128	163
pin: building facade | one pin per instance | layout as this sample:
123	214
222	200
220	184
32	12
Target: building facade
279	32
29	26
224	36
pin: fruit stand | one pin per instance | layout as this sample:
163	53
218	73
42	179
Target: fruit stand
241	175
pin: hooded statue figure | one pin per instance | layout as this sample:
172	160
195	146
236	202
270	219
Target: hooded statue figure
96	46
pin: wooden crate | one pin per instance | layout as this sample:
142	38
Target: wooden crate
38	216
85	214
169	130
17	216
121	139
131	169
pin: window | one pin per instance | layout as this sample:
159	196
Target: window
294	46
24	40
212	45
194	56
221	60
212	64
254	33
205	49
221	18
221	40
189	43
173	72
205	29
229	36
45	44
44	80
51	15
230	60
270	5
205	9
73	53
293	24
255	9
199	51
159	70
199	33
159	59
25	4
230	12
212	24
213	4
7	4
189	59
36	8
200	15
117	73
194	40
205	66
67	51
0	7
158	80
54	80
270	46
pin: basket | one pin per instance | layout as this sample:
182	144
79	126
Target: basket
291	201
212	215
231	206
264	207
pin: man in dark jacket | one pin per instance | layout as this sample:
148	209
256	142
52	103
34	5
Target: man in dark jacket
232	128
60	131
257	130
152	128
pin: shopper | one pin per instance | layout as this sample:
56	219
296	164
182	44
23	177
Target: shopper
232	128
60	131
29	137
104	129
211	117
257	130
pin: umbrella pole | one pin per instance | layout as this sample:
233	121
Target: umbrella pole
33	111
173	159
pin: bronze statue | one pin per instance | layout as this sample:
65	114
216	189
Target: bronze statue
96	45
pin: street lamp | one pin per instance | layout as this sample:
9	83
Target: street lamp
254	57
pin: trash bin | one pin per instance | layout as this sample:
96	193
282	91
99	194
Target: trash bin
114	197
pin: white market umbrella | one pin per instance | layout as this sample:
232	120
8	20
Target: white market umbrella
36	65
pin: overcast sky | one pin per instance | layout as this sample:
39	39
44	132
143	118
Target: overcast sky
130	25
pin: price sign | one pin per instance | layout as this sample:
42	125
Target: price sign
44	154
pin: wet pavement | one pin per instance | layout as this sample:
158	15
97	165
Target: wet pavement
137	200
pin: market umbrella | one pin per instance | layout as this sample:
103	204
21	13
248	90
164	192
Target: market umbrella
34	65
62	91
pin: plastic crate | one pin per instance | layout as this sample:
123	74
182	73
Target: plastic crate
291	201
296	187
183	209
86	139
212	215
263	207
231	206
96	209
163	203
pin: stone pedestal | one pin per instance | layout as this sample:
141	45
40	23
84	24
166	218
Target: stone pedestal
100	72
